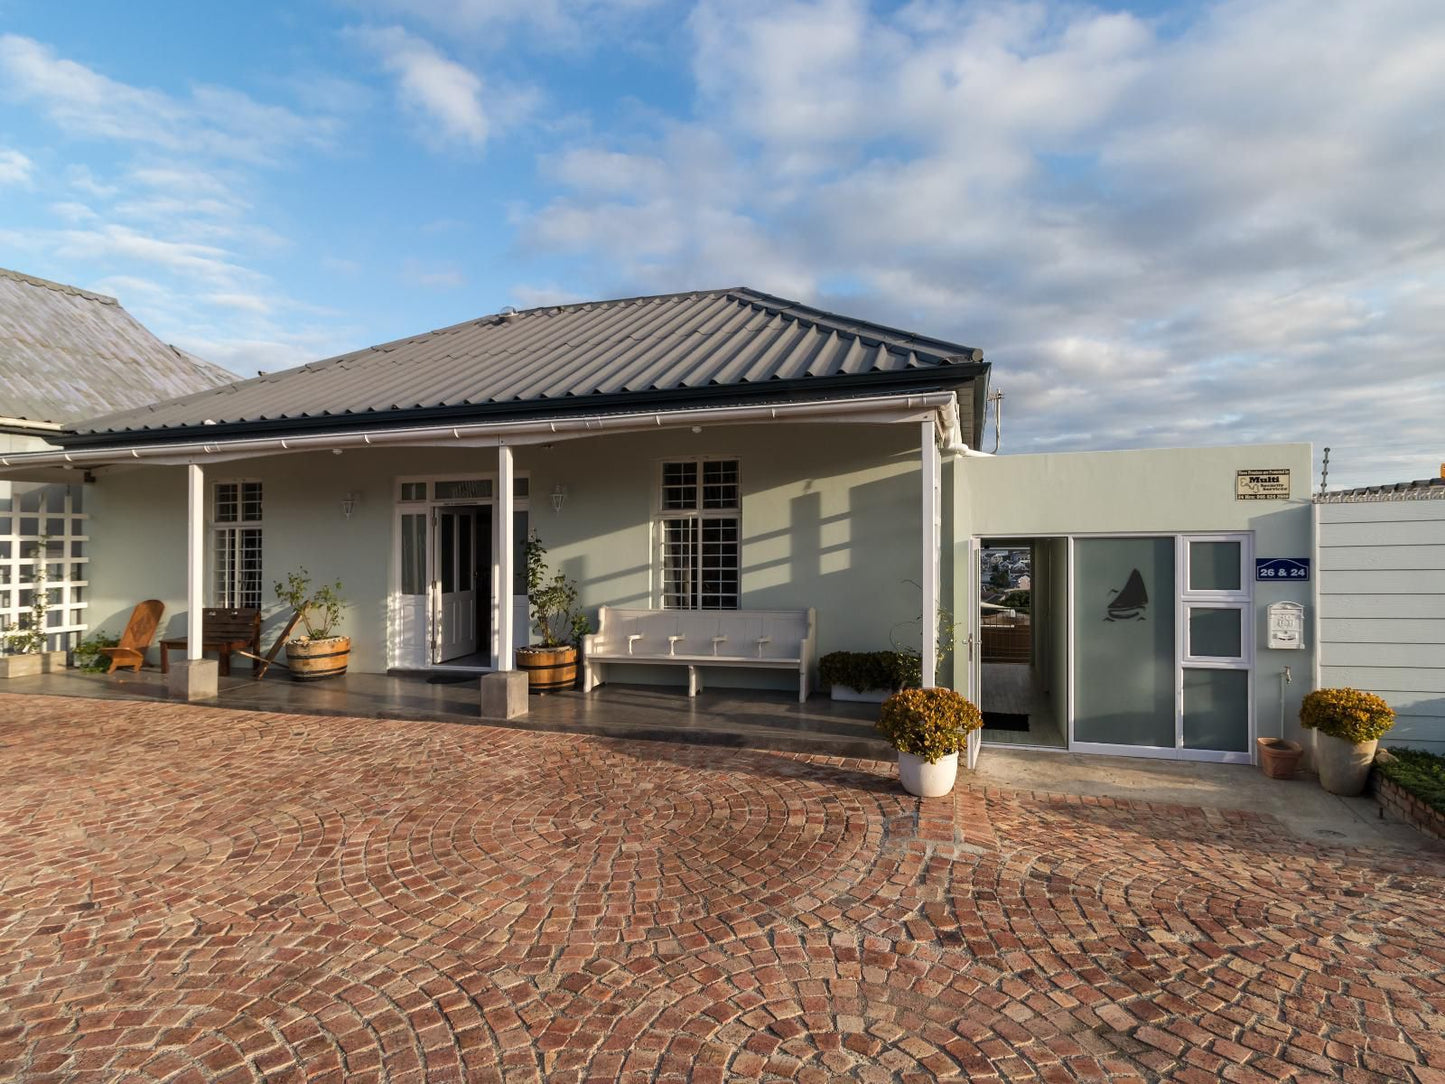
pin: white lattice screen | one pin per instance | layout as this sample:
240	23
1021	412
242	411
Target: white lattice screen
29	513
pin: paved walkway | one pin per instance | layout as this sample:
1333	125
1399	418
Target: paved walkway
198	894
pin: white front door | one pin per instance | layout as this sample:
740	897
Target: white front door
973	641
455	583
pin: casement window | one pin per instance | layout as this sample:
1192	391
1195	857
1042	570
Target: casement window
699	528
236	544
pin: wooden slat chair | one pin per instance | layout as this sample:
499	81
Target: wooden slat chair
224	632
140	630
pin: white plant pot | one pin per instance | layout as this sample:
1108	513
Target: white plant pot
18	666
1344	766
859	696
924	779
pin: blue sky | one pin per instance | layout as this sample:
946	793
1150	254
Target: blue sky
1165	224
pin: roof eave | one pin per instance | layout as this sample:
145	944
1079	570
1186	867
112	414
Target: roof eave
934	377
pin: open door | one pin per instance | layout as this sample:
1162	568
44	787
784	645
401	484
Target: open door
973	640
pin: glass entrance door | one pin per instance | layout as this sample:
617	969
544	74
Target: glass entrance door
1162	647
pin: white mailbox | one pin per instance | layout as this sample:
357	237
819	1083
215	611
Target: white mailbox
1286	626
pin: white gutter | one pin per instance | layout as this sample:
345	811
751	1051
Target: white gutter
881	409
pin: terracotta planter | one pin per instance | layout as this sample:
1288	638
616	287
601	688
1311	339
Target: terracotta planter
548	669
315	660
1344	766
927	780
1279	759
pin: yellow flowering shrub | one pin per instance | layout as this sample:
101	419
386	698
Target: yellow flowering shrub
928	723
1348	714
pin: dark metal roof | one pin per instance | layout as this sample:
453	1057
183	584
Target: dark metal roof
676	349
1426	489
67	353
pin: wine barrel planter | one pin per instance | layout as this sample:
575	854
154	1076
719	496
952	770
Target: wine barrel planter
548	669
313	660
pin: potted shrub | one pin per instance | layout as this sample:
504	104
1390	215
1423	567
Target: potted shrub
318	652
867	676
1347	725
552	598
928	727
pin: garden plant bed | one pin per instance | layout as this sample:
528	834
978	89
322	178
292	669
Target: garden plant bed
1410	784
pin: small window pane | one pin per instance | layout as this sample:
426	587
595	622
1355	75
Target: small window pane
413	491
1214	566
679	486
446	543
720	484
1215	633
521	487
464	490
413	554
228	505
1216	710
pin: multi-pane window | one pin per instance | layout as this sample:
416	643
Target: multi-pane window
236	542
700	531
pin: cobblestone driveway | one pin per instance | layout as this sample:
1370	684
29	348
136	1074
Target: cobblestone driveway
193	894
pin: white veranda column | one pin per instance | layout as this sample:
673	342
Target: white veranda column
505	559
195	556
928	454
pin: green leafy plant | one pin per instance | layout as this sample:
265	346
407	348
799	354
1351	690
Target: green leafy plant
1347	714
27	635
553	600
945	630
320	609
865	670
87	656
1416	771
928	723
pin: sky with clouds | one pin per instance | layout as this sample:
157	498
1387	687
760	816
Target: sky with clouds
1164	223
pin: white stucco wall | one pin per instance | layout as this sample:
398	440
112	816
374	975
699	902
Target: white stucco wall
1159	491
831	519
1382	610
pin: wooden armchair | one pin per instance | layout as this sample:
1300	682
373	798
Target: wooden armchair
224	632
139	631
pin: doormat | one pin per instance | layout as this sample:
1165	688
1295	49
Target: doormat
1004	720
462	679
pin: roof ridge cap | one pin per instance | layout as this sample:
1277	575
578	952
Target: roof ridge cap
59	287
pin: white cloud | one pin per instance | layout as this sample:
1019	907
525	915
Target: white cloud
1207	235
445	95
212	120
432	276
550	23
15	168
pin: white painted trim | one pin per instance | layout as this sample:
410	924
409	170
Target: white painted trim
929	530
503	559
195	557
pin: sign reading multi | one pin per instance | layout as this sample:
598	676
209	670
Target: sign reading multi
1262	485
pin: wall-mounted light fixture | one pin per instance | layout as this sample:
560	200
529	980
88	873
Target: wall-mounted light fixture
348	504
559	497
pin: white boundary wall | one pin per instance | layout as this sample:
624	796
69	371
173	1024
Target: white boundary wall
1382	608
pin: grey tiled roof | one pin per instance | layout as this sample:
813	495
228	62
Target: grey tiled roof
680	349
67	354
1426	489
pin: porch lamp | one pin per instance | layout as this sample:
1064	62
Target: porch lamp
348	504
559	497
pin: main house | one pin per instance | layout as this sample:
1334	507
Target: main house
713	450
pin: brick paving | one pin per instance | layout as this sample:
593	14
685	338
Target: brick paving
194	894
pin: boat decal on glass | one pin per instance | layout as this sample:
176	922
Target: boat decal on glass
1129	603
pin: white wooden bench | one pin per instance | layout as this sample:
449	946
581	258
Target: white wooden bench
753	639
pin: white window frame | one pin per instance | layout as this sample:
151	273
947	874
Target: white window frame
700	515
231	594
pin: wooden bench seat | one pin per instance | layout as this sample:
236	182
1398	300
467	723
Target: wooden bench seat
224	632
698	639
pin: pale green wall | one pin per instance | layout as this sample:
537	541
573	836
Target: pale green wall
1163	491
830	520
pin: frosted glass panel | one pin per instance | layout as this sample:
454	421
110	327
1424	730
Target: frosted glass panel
1214	632
1124	641
1216	710
1214	566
